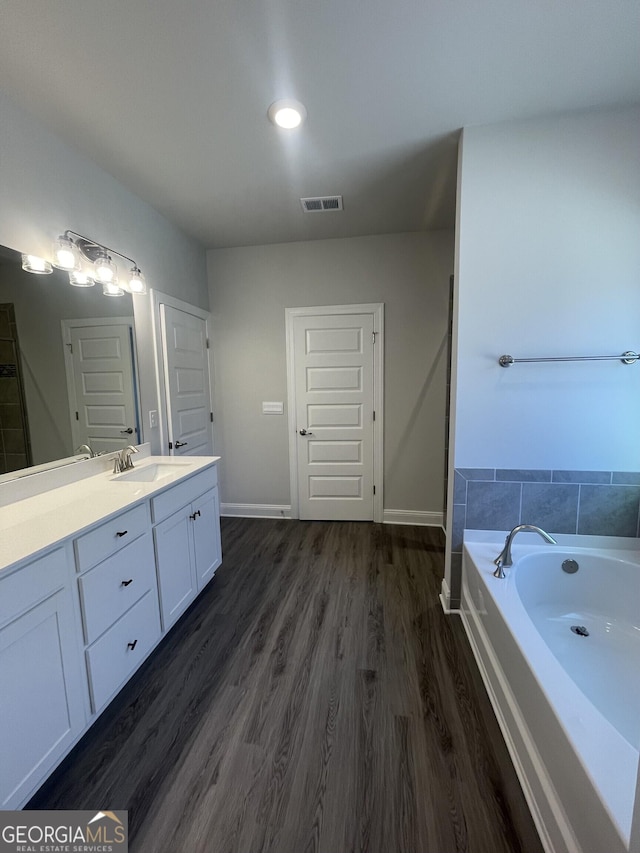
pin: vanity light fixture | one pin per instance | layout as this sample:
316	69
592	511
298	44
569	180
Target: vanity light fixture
287	113
71	250
34	264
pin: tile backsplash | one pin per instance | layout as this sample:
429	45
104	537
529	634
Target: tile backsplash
602	503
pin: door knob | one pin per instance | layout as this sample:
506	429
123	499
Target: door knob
181	443
305	432
128	431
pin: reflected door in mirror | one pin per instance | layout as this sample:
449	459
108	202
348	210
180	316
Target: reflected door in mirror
103	401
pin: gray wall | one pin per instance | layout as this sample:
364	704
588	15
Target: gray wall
249	289
47	187
547	262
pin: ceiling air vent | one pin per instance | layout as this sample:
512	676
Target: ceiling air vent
322	204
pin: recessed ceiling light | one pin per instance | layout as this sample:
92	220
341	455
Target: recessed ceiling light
287	114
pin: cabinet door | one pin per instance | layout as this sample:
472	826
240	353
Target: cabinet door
206	536
176	578
41	698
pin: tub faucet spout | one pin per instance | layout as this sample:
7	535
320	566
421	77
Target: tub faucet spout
504	557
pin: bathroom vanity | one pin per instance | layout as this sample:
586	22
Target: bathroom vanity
93	573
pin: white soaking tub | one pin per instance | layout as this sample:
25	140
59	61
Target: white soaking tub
568	701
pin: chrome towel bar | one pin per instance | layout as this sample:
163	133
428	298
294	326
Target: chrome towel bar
628	357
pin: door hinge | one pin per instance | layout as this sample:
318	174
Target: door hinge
374	414
207	343
77	417
374	490
374	336
211	416
170	445
70	347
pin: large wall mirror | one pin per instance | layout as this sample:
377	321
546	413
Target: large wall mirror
67	369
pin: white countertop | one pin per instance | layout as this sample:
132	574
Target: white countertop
37	523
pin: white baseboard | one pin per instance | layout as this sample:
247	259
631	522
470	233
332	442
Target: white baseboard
256	510
391	516
445	598
408	516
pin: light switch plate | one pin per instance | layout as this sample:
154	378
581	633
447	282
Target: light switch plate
273	408
153	419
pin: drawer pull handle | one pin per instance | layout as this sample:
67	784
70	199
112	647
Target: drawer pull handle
132	645
122	532
126	583
195	515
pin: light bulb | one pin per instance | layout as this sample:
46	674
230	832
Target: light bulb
287	114
65	254
111	288
105	269
34	264
137	284
80	278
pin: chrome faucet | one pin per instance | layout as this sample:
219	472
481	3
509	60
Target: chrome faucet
504	557
123	462
84	448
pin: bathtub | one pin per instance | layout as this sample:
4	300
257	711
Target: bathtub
568	702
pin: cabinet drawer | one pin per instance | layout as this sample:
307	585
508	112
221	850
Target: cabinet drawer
110	537
110	660
23	588
110	589
176	497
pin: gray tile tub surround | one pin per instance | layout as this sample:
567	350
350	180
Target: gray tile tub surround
591	502
600	503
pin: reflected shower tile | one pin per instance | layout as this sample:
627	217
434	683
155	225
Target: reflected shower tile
493	506
552	506
609	510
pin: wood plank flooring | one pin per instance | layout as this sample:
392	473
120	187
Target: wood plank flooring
314	698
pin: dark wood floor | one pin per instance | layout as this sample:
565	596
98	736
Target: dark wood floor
314	698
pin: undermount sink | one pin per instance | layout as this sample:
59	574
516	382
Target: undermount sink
151	473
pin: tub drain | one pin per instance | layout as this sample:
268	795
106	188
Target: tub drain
580	630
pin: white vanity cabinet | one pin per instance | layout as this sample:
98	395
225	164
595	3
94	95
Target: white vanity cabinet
187	541
119	600
40	673
79	618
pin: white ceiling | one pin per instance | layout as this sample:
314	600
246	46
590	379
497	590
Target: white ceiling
171	98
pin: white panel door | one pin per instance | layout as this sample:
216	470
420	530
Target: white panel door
334	390
186	366
102	360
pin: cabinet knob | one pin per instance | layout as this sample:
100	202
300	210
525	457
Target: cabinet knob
126	583
122	532
132	645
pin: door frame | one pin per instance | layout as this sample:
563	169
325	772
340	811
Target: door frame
67	326
156	299
377	310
